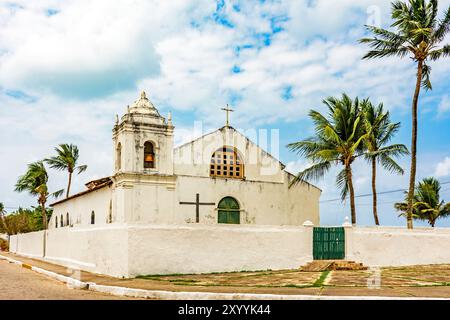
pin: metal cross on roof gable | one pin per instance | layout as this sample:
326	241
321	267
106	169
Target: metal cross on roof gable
228	110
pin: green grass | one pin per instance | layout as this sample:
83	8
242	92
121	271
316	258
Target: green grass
147	276
319	282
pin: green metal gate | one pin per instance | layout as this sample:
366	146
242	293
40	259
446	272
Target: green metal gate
328	243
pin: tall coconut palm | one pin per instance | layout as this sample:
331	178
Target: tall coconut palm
418	34
66	159
34	181
380	130
338	140
426	203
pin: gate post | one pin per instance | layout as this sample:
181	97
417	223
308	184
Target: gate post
348	229
309	227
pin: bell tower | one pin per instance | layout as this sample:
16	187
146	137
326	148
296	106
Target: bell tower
143	140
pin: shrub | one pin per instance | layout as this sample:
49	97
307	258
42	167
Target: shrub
4	245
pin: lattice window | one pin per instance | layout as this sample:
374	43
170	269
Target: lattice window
226	163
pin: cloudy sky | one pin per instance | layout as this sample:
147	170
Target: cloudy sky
67	67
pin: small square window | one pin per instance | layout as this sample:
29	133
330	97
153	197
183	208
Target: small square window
211	172
224	161
237	168
218	172
218	161
219	167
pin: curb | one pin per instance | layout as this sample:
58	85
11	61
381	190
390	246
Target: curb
180	295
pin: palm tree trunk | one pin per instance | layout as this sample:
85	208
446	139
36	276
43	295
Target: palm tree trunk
412	177
374	191
68	185
348	170
44	212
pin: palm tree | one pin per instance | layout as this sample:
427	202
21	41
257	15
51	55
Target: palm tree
35	182
418	34
427	204
380	130
2	218
338	140
66	160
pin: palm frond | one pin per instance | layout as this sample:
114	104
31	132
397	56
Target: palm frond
57	194
315	172
426	83
81	168
389	164
443	27
342	183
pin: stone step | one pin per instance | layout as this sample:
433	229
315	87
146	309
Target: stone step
324	265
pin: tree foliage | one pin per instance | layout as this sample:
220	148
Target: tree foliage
427	205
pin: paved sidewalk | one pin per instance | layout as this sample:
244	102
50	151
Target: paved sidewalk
22	284
284	282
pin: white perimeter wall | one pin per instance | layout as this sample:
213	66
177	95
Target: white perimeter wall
103	251
391	246
201	249
29	244
161	249
131	250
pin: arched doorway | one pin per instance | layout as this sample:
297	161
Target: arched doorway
229	211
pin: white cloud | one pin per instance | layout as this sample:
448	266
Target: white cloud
443	168
105	52
444	106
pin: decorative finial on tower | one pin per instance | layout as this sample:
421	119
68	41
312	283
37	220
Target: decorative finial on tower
128	109
117	119
169	118
143	95
228	110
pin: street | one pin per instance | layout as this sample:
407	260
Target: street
17	283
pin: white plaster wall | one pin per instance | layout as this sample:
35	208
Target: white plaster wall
261	203
145	199
13	243
30	244
99	250
391	246
200	249
194	158
80	208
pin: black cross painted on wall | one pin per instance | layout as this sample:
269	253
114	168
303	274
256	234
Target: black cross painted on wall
197	204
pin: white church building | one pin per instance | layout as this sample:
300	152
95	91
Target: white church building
217	203
219	178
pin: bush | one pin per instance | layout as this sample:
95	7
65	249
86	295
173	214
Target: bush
4	245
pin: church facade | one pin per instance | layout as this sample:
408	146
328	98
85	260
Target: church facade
221	178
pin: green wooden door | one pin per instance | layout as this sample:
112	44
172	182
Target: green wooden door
229	211
328	243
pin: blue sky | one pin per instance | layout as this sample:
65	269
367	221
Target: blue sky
67	67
